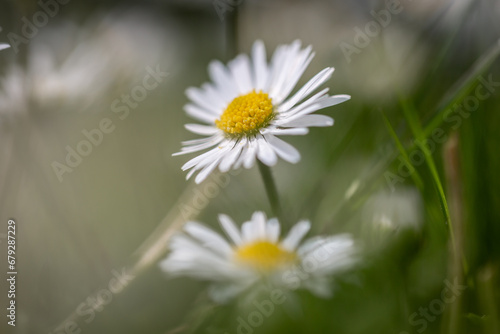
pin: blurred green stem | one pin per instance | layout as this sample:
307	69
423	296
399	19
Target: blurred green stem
271	189
457	266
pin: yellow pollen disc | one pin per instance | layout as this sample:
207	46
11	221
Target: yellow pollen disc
264	255
246	114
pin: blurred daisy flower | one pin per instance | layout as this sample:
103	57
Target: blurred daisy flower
248	104
387	214
395	210
256	254
84	67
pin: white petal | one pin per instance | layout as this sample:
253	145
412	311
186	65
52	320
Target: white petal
286	151
289	117
283	71
295	72
331	254
223	292
229	159
203	100
273	229
247	232
302	110
4	46
319	286
240	69
237	164
285	132
214	140
265	153
295	235
311	245
250	154
333	100
312	100
259	224
308	88
275	68
209	238
198	159
223	79
218	73
190	258
207	162
191	173
201	129
259	65
202	265
230	228
196	141
216	97
200	114
310	120
206	171
200	165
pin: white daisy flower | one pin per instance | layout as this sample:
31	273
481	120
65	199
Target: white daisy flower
248	104
256	253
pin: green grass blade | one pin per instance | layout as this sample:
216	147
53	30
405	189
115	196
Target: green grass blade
411	117
415	176
462	88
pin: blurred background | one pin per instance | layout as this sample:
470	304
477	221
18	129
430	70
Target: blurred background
410	167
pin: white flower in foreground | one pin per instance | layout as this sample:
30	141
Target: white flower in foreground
257	254
248	104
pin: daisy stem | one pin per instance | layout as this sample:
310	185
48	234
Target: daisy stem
271	189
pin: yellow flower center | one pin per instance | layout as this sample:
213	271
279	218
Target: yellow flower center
264	255
246	114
